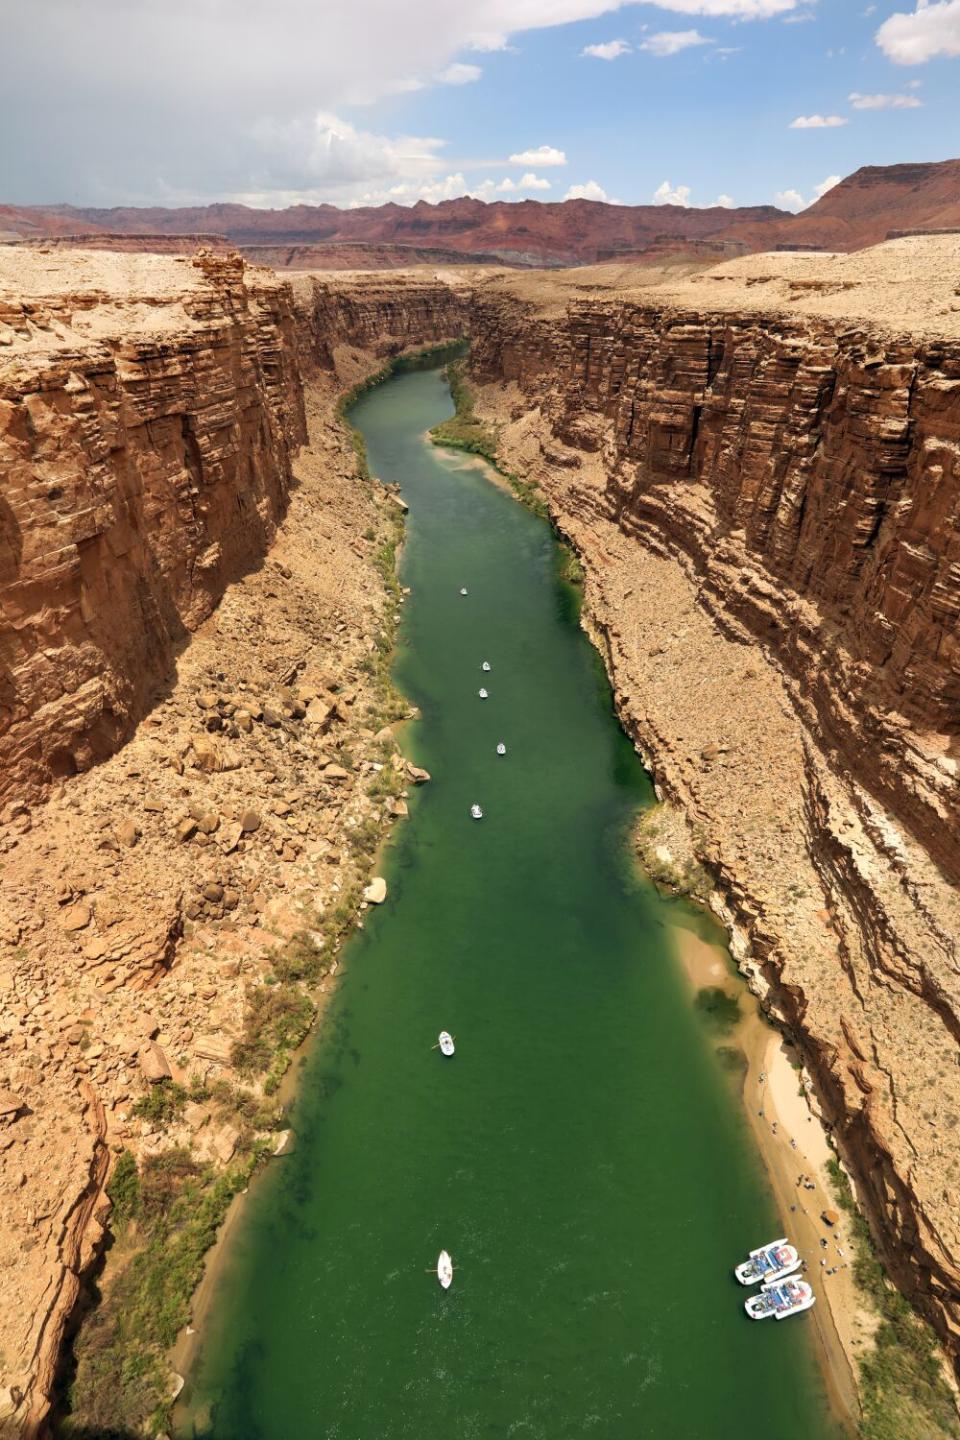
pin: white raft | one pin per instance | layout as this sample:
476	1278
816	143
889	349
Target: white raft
446	1043
485	665
780	1298
463	590
476	812
501	748
771	1262
484	694
445	1270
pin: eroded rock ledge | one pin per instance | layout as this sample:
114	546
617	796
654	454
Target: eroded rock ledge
767	506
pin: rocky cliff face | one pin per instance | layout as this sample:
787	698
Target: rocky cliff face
769	510
376	317
146	463
810	471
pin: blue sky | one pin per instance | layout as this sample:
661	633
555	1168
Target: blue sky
122	101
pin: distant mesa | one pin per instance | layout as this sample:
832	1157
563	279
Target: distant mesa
861	210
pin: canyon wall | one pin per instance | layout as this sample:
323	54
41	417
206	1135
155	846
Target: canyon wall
768	507
811	471
145	466
374	316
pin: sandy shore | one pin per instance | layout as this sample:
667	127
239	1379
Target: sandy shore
792	1143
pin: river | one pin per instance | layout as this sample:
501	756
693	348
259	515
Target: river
583	1156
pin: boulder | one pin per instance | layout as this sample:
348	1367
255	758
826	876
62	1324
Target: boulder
153	1063
76	917
224	1142
11	1104
319	714
213	1047
376	892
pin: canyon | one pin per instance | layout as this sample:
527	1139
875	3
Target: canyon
759	466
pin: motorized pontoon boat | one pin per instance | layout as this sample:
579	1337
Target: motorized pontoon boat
446	1043
780	1298
483	694
463	590
476	812
501	748
770	1262
485	665
445	1270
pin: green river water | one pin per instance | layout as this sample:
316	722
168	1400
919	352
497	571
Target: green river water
582	1157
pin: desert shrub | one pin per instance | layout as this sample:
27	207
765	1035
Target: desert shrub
162	1103
123	1187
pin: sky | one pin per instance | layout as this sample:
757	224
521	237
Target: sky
359	102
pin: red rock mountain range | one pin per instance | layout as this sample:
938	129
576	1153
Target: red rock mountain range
861	210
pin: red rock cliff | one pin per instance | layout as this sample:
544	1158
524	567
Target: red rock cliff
810	470
145	462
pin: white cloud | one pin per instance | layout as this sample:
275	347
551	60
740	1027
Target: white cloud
333	159
608	50
459	74
734	9
666	194
526	182
590	191
671	42
883	102
451	187
541	155
724	201
933	29
818	122
250	80
825	185
487	42
789	199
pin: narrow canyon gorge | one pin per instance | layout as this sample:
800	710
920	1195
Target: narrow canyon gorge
759	468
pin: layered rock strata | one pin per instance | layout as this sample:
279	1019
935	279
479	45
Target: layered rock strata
767	507
344	321
145	449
